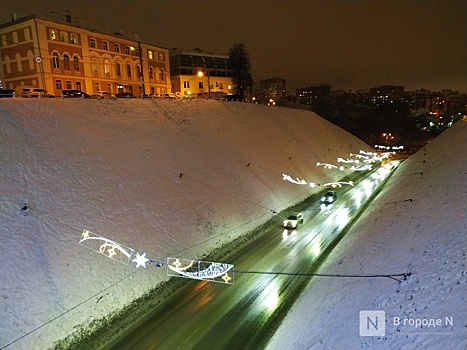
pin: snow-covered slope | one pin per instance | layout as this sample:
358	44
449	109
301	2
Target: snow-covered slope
417	224
167	178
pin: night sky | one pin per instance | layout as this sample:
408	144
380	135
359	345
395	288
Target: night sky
347	44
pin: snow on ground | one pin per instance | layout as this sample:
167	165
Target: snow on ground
167	178
417	224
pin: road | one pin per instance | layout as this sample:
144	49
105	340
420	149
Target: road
206	315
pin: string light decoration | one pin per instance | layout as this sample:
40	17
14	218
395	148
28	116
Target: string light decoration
106	247
338	184
342	160
365	167
194	269
330	166
201	270
299	182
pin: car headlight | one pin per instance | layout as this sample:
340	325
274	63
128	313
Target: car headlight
285	223
323	199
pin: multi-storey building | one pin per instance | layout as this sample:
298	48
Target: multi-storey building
55	55
271	90
386	94
197	74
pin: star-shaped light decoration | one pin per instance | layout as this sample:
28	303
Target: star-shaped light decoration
141	260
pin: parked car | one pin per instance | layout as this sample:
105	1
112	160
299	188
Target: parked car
74	94
171	95
329	197
7	93
102	94
293	220
39	93
125	95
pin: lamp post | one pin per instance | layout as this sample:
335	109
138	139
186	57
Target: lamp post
200	74
141	69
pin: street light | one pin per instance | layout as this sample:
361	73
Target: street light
200	74
141	68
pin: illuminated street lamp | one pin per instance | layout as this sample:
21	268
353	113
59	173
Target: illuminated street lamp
200	74
141	75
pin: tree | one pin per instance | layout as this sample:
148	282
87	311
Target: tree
241	66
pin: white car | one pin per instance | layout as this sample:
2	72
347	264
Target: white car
293	220
102	94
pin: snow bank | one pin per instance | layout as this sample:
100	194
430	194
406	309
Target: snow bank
167	178
417	224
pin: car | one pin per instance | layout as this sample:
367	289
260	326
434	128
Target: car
69	93
293	220
329	197
40	93
7	93
125	95
171	95
102	94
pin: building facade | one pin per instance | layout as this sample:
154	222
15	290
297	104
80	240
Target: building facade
196	74
56	55
271	90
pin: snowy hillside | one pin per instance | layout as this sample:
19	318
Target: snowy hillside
417	224
166	178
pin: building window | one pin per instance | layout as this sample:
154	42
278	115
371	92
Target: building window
117	47
74	39
162	75
137	53
95	65
105	45
56	60
151	73
161	56
221	86
64	37
118	68
15	38
127	50
76	63
200	85
69	86
27	35
58	84
150	55
66	62
109	87
106	66
53	34
78	85
128	70
96	87
138	71
4	41
186	84
92	43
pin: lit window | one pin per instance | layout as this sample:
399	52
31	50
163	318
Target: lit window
95	65
105	45
92	43
106	66
161	56
56	60
53	34
74	38
150	55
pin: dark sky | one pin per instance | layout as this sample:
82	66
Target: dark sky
348	44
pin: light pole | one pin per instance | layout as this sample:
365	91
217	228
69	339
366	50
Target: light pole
200	74
141	69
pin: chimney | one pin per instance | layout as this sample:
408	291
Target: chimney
68	17
14	16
